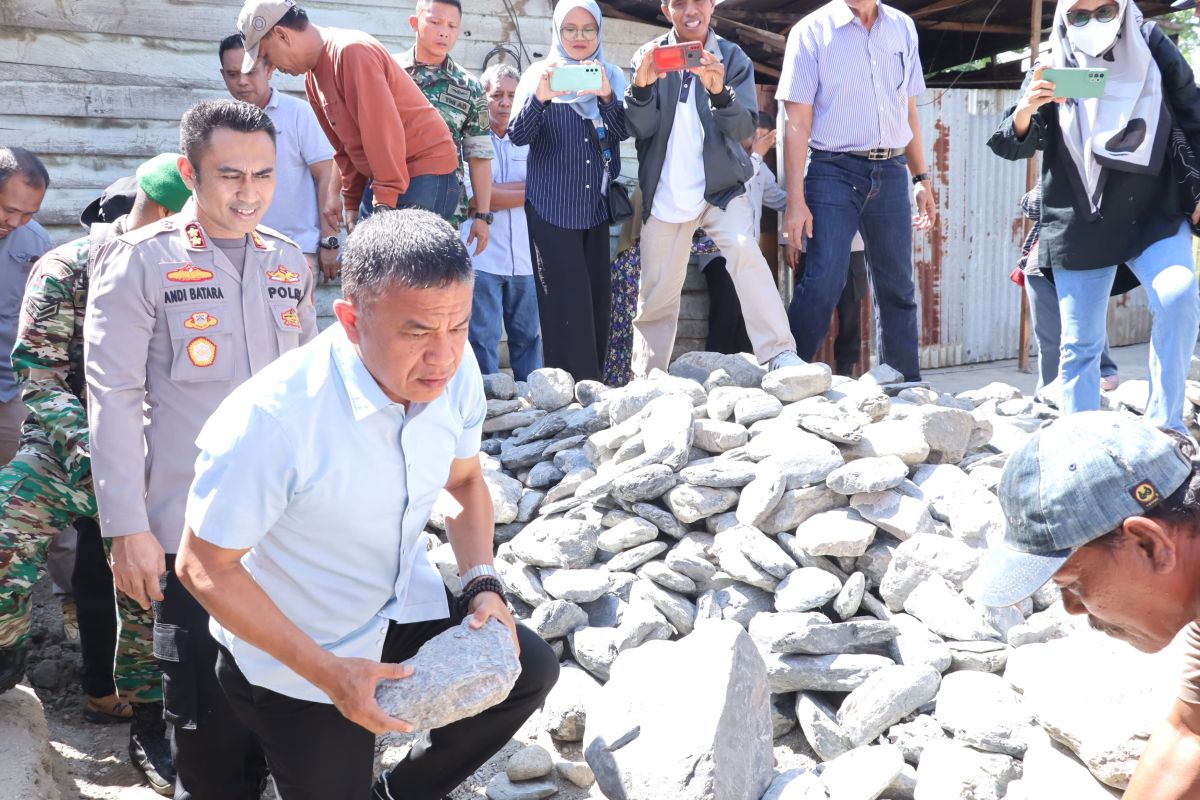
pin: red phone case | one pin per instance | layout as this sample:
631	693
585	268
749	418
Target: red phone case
675	57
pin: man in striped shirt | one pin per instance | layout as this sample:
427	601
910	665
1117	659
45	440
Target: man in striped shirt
851	75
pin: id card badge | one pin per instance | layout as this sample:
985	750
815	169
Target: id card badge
604	180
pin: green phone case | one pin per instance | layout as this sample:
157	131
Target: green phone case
576	77
1077	82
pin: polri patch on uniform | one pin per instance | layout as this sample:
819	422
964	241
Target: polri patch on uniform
202	351
200	321
189	273
282	275
195	235
290	319
1145	494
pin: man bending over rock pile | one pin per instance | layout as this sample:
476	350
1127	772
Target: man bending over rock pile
303	541
1109	509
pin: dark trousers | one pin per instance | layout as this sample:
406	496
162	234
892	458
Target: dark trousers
574	289
846	194
317	754
847	345
95	608
216	757
726	325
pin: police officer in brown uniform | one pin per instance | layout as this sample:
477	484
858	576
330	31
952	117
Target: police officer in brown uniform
180	313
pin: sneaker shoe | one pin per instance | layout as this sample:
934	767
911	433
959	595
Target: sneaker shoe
787	358
1110	382
149	749
107	710
12	667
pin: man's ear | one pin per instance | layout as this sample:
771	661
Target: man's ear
186	172
412	22
1154	541
348	315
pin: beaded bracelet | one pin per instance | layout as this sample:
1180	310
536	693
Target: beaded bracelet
478	587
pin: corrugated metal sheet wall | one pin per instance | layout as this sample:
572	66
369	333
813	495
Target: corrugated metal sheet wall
970	310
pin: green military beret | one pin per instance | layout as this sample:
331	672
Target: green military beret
159	179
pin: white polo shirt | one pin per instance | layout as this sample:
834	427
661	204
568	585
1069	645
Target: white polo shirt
329	484
299	143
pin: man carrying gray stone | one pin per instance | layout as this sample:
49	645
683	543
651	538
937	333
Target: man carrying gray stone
304	526
1109	509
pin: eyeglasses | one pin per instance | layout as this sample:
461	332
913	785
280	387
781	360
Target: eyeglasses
579	33
1077	19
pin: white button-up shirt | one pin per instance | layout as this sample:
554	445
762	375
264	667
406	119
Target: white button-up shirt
299	143
857	81
507	252
330	484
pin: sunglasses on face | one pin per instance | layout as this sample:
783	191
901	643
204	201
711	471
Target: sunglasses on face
1107	13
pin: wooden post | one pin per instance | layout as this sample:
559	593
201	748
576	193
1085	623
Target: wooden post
1031	177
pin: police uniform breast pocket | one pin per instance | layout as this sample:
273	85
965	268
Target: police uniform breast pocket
286	316
201	343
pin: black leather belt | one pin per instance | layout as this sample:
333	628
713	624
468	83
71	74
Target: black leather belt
877	153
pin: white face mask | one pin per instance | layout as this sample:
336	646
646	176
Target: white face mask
1095	38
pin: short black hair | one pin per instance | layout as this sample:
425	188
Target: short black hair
426	3
764	120
408	247
199	122
234	41
19	161
296	19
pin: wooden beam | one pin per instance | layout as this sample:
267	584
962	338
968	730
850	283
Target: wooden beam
974	27
772	41
939	5
612	11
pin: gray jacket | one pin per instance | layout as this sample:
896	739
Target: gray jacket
650	115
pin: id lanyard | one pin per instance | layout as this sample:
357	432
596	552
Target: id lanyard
606	152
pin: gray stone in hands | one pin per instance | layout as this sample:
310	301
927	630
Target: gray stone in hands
456	674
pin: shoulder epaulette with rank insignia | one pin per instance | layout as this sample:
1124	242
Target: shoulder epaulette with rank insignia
271	233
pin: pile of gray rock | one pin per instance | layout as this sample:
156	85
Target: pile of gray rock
736	565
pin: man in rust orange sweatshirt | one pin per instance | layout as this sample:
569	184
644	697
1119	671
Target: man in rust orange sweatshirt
383	129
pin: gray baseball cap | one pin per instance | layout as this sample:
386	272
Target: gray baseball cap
255	21
1072	482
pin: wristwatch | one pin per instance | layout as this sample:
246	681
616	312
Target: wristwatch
330	243
921	176
487	217
479	571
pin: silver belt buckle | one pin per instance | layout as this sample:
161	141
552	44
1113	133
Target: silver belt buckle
879	154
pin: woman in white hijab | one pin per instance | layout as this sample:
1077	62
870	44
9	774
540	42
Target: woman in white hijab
1109	194
574	156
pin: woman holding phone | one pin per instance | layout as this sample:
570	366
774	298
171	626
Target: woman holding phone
1109	194
574	156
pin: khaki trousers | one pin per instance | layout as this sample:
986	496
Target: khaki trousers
665	249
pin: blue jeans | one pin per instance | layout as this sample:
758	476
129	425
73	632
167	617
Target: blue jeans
511	299
1165	269
436	193
846	194
1047	328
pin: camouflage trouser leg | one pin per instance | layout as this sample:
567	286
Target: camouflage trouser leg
136	672
36	502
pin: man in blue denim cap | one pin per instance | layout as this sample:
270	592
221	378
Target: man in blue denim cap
1109	509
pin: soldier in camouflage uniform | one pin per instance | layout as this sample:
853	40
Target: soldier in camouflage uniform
459	97
48	485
